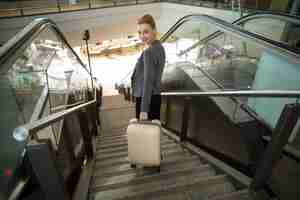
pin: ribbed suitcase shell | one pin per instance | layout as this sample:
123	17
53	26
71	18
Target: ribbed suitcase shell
144	143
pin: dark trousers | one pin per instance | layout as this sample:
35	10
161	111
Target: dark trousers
154	111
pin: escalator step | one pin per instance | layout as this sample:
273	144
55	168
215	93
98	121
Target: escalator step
124	152
125	148
170	162
165	152
120	140
114	130
140	171
111	138
123	145
195	185
118	144
238	195
124	160
117	182
112	135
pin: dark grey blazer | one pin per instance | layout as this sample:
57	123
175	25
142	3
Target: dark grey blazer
147	74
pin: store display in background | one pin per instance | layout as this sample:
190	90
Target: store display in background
121	46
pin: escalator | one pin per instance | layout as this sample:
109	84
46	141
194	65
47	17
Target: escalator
234	127
65	155
183	175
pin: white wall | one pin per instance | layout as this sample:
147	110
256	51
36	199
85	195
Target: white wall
111	23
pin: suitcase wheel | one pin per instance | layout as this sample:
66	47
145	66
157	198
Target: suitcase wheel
133	165
158	169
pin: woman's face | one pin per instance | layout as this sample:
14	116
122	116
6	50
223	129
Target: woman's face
146	33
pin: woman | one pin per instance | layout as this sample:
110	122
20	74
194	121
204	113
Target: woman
148	70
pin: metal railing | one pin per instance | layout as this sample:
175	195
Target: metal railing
280	136
235	93
46	121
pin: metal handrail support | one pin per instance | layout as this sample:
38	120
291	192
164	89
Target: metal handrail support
185	118
239	93
281	133
33	127
46	121
272	154
231	94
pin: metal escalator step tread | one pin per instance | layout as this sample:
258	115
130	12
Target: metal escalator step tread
131	180
164	152
124	160
125	148
110	137
217	190
115	131
207	186
140	171
171	196
115	135
120	140
123	139
117	144
124	152
172	162
204	192
237	195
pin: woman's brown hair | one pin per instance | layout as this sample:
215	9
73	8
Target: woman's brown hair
147	19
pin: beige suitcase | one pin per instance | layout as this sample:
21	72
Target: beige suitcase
144	143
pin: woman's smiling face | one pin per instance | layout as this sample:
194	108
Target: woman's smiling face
146	33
